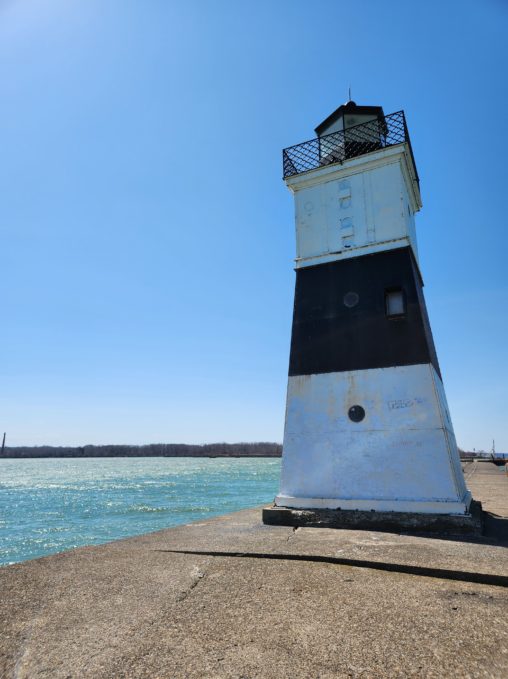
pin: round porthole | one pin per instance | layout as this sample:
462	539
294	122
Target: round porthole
356	413
351	299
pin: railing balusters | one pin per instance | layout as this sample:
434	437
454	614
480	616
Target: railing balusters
338	146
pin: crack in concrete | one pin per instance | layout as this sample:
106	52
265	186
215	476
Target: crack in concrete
26	638
292	534
469	471
196	576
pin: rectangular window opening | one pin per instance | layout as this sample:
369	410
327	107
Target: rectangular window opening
395	302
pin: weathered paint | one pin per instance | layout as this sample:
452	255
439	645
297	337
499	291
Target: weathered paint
401	457
367	203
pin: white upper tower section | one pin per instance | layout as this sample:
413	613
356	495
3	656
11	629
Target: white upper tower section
356	186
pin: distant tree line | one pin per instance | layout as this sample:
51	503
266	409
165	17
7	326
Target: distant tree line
168	450
150	450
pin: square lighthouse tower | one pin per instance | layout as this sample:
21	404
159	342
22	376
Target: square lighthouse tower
368	436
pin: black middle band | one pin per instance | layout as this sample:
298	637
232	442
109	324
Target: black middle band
341	322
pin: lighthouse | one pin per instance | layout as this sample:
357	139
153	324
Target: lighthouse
368	438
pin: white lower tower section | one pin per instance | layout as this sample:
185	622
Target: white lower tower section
401	457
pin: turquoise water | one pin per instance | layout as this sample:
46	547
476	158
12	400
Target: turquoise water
50	505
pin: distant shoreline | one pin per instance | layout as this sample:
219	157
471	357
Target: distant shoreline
210	450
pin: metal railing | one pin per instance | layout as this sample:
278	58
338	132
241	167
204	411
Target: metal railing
340	146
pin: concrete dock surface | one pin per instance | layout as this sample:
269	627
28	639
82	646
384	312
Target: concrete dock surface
231	597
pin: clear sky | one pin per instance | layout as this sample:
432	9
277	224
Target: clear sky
147	238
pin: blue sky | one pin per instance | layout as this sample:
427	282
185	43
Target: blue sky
147	237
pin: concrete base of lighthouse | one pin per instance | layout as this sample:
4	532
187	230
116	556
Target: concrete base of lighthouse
470	523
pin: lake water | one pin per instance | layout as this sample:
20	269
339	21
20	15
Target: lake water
50	505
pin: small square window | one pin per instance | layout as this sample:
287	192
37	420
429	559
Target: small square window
395	302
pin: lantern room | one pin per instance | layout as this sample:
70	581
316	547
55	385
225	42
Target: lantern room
355	130
348	115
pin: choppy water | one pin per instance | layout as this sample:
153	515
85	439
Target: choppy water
50	505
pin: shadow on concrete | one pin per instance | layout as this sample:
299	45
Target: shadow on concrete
494	533
495	529
441	573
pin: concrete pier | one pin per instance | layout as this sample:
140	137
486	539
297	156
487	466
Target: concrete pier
231	597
